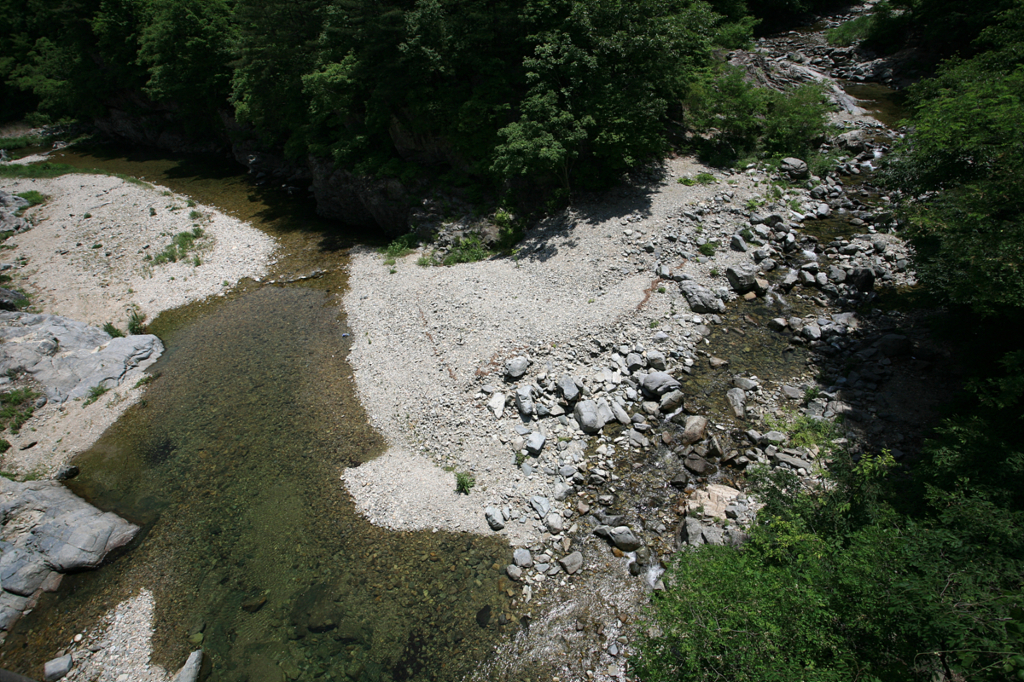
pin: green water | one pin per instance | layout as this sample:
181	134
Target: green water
232	466
884	104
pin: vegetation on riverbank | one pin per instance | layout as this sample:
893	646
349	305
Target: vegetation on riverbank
887	572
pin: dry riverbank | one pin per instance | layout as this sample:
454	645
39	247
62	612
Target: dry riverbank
85	258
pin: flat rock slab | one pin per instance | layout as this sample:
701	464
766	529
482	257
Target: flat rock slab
70	358
48	530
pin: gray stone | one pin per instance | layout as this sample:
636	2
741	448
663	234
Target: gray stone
744	383
737	400
701	299
567	471
619	413
794	168
671	401
773	438
604	412
554	523
811	332
497	404
572	563
692	532
516	367
624	538
698	465
57	668
524	400
540	504
561	491
792	392
494	518
694	429
742	278
567	387
822	211
522	558
70	358
634	362
514	572
656	359
587	416
535	443
862	279
190	671
657	384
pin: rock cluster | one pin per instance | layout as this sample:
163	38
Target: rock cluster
11	208
48	531
71	358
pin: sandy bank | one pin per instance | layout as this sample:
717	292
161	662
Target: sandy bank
85	258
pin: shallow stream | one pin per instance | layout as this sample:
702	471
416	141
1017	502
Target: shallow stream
251	546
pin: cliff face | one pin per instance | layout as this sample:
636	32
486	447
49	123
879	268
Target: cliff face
349	198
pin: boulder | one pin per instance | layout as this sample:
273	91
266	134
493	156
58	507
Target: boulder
497	404
656	359
57	668
742	278
657	384
522	558
516	367
694	429
572	562
587	416
737	400
862	279
535	443
524	400
494	518
190	671
701	299
567	387
794	168
624	538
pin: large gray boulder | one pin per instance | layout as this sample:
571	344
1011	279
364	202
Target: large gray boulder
47	530
567	387
625	539
516	367
70	358
794	168
742	278
190	671
701	299
588	416
657	384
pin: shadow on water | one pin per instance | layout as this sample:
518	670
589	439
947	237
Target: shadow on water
251	546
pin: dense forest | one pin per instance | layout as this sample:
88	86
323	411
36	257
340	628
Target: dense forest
895	571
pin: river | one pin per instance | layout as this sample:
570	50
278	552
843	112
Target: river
250	544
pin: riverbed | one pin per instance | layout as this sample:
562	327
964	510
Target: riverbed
250	545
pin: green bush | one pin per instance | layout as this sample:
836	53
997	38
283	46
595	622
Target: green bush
850	32
112	331
463	483
136	322
180	245
33	198
400	247
466	250
16	408
95	393
707	249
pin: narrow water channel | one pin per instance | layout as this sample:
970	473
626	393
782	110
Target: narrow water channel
251	546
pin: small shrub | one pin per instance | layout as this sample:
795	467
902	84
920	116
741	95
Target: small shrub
402	246
152	211
424	261
144	381
463	482
747	234
714	272
136	322
689	182
654	323
703	178
33	198
707	249
4	445
851	32
87	216
661	290
467	250
112	331
194	215
16	407
196	262
95	393
190	203
179	247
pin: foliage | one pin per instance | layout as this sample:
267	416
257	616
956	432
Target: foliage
738	119
112	331
402	246
463	482
849	32
961	170
20	142
466	250
33	198
16	408
707	249
136	322
95	393
53	170
5	445
180	245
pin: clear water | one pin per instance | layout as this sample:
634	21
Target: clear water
232	466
